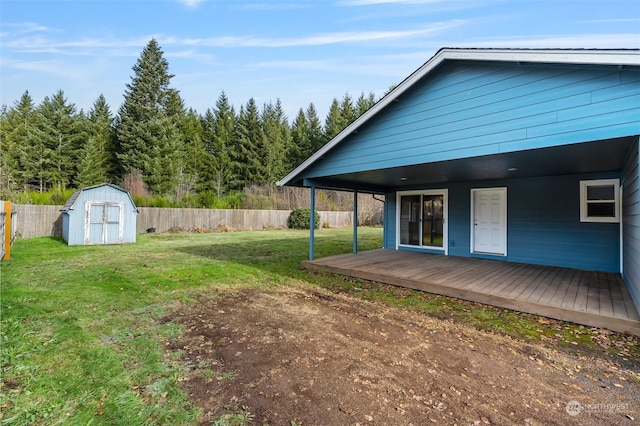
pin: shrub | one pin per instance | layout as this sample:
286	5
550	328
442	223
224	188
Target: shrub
51	197
300	218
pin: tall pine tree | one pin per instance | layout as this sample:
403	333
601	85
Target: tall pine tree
219	140
364	103
300	143
148	127
347	111
96	161
277	135
193	174
317	138
91	164
333	124
20	145
63	132
248	166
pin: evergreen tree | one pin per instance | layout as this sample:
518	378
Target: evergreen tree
347	111
301	144
277	136
219	140
207	123
147	130
171	149
317	138
248	166
98	151
91	164
175	150
20	145
62	131
390	89
334	123
194	159
165	156
364	103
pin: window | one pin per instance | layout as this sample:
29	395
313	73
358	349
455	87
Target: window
421	218
600	200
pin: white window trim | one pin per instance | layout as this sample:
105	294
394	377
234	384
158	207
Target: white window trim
584	184
445	229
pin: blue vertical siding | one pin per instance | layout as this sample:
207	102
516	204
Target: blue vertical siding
631	223
543	223
469	109
65	227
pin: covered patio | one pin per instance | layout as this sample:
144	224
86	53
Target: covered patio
585	297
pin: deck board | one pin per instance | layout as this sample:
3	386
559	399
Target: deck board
584	297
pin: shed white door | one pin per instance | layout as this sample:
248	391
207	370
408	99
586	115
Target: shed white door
104	223
489	221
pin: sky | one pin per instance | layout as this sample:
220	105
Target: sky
295	51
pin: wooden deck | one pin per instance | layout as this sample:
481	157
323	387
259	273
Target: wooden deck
591	298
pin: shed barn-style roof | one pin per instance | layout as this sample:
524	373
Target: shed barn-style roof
69	205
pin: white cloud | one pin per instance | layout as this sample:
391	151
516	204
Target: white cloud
24	28
316	40
40	44
609	21
191	3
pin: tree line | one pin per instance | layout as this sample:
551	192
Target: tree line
155	144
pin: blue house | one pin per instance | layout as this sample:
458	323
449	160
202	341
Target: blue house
519	155
101	214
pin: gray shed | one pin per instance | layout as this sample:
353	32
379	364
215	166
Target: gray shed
100	214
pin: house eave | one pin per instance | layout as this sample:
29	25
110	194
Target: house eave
619	57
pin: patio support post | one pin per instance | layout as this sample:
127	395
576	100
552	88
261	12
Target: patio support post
384	223
312	222
355	221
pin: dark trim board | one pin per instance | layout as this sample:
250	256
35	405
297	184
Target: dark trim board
590	298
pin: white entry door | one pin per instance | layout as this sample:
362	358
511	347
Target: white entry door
489	221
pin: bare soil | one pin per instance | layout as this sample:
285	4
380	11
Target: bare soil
312	357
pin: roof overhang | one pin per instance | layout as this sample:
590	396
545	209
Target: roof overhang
589	157
374	179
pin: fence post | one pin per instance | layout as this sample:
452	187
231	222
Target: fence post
7	226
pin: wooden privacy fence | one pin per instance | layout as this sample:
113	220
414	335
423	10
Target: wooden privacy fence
165	219
46	221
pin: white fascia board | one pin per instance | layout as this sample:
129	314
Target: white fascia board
559	56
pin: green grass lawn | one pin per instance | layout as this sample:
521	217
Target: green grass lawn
82	336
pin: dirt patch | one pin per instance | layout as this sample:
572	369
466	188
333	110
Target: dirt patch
316	358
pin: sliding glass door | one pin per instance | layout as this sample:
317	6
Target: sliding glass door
422	219
432	220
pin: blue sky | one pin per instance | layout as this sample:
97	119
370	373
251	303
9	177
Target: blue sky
294	50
